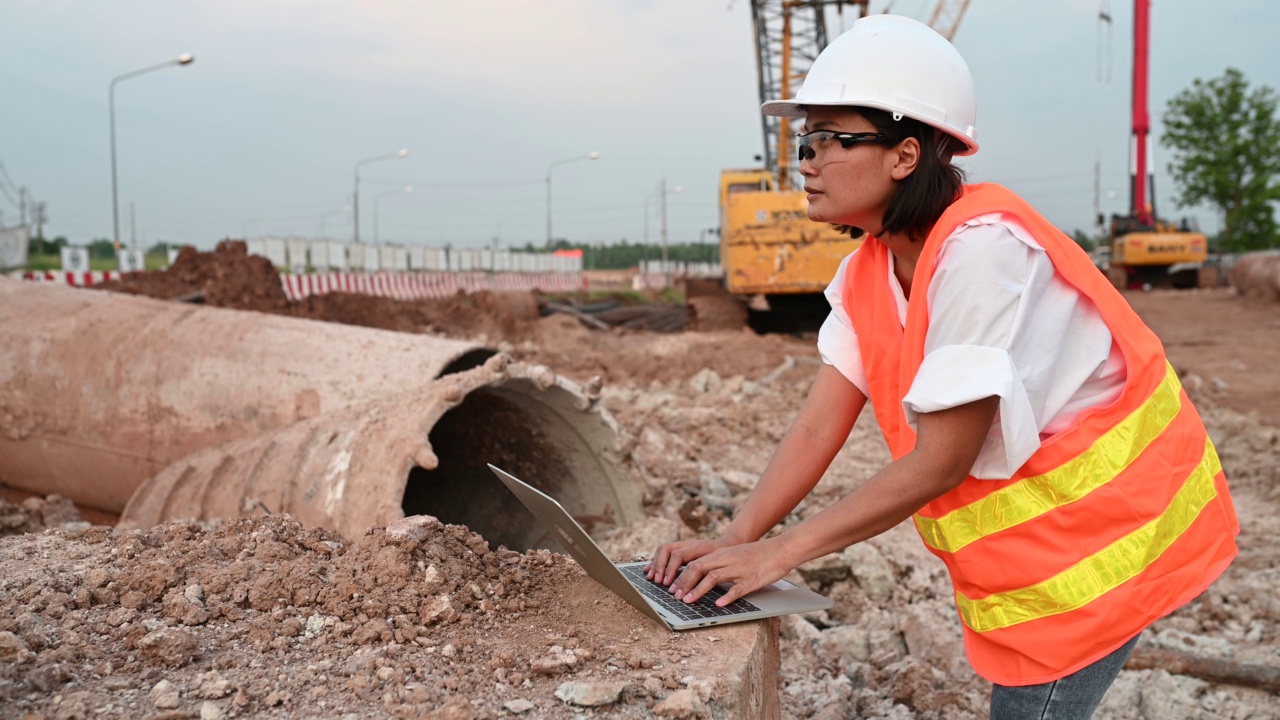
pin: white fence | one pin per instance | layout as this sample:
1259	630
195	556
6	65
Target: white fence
13	246
681	269
299	255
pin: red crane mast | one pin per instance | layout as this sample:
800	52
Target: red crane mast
1141	208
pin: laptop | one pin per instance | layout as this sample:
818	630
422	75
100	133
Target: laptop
627	580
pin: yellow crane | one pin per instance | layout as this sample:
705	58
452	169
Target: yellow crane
770	251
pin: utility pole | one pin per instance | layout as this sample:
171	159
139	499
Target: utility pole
666	275
40	220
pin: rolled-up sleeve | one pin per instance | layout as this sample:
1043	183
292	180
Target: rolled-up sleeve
975	309
958	374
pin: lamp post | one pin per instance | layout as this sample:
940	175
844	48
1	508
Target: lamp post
407	189
183	59
355	196
666	271
589	156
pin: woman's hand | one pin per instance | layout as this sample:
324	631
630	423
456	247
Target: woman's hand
670	557
746	568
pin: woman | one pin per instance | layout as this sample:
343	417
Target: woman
1041	442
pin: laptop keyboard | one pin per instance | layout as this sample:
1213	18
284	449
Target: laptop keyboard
705	607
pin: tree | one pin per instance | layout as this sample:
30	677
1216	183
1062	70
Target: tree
1226	142
1083	239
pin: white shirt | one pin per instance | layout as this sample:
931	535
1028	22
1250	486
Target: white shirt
1001	322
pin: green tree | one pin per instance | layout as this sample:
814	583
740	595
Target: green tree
102	249
1226	142
1083	239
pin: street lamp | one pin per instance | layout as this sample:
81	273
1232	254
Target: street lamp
183	59
589	156
355	197
407	189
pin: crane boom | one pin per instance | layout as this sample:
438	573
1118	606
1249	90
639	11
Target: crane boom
789	36
947	15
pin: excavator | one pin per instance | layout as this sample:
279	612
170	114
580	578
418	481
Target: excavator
772	254
1146	251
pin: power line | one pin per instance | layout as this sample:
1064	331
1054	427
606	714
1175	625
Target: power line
5	174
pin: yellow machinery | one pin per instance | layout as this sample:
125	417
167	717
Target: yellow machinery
768	243
769	249
1154	254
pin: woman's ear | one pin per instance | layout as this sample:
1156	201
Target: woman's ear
906	156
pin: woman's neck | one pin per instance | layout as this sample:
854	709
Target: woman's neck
905	254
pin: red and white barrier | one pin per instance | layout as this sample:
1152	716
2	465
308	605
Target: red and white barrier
68	277
401	286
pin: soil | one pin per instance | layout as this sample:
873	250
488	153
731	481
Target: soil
230	277
261	617
1229	341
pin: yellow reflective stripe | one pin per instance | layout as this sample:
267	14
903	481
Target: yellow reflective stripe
1103	571
1032	497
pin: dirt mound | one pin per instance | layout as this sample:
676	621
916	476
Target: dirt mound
1257	274
227	277
494	315
230	277
262	617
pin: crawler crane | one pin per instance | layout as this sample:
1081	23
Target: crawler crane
1147	251
770	250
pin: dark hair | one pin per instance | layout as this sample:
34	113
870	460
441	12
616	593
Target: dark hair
921	198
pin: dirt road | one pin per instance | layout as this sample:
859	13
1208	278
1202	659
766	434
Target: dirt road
1232	343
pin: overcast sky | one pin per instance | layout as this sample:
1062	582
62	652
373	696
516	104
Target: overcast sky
262	132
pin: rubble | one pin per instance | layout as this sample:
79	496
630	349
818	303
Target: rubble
423	619
301	620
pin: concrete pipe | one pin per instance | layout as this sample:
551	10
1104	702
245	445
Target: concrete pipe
423	452
100	391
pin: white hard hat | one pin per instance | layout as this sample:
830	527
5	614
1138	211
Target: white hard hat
895	64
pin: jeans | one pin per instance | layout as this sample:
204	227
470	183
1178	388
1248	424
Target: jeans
1073	697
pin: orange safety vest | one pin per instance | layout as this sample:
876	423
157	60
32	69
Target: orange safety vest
1111	524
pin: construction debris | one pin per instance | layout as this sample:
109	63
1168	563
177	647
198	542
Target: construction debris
656	317
264	616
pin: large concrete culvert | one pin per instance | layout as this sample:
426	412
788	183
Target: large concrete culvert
181	411
100	391
539	436
423	452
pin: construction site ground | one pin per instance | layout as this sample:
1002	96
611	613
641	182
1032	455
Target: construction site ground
260	617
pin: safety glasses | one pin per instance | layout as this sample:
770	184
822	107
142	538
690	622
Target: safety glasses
807	141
